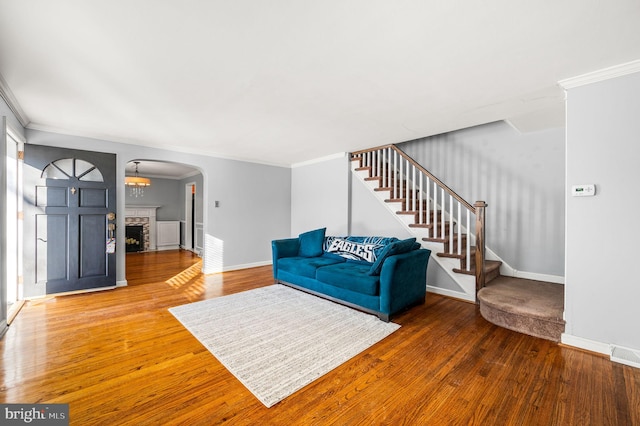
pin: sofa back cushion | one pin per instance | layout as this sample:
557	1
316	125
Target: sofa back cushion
397	247
356	249
311	243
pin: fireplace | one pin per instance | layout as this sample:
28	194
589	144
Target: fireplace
134	238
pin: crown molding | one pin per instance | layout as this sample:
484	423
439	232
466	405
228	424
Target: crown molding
601	75
12	102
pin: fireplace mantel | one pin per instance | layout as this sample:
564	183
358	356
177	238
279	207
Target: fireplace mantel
148	212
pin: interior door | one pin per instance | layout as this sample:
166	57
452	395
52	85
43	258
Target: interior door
68	197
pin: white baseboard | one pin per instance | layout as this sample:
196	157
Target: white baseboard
586	344
238	267
174	247
67	293
450	293
122	283
557	279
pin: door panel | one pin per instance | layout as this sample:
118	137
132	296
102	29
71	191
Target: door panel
93	197
52	259
93	259
68	194
51	197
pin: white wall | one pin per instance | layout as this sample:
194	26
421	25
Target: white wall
255	200
602	293
320	196
520	176
326	193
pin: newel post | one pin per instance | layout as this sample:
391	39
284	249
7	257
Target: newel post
480	249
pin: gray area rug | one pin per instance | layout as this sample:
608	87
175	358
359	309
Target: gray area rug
276	339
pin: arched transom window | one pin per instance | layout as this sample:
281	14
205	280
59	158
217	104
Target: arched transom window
68	168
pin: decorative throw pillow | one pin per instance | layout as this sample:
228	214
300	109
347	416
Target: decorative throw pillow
311	243
397	247
357	249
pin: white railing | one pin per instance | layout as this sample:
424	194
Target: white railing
445	215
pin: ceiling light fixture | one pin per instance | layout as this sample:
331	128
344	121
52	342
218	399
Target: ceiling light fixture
136	183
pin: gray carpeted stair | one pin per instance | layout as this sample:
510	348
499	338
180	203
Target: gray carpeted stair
530	307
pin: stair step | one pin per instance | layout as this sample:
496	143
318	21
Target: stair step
461	256
526	306
430	226
491	270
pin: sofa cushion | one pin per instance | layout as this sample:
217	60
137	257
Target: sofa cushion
311	243
350	276
305	266
397	247
356	249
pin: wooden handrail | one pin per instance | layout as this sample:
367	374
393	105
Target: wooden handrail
478	209
422	169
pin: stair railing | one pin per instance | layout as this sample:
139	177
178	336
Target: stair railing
435	204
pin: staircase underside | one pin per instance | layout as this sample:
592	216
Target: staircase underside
526	306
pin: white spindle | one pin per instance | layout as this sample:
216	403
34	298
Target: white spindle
421	201
428	206
395	174
435	210
385	168
413	192
459	228
450	223
406	187
443	210
468	240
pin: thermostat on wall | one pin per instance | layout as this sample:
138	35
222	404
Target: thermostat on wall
583	190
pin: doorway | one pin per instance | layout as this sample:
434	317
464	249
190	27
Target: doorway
190	216
70	200
13	227
175	192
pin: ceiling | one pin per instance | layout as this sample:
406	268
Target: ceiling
283	82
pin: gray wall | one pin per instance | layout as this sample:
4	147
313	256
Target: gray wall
162	192
601	289
520	176
255	200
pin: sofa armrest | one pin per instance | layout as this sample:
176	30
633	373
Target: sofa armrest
403	280
288	247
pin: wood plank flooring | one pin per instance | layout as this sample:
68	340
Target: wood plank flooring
119	357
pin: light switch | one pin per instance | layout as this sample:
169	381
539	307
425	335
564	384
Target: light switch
588	190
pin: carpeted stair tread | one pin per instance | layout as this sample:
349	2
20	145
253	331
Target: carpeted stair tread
527	306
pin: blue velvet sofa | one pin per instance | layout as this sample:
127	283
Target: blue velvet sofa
378	275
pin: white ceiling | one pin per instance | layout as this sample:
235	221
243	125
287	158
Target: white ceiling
283	82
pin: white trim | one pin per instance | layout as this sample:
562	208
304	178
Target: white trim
122	283
3	327
242	266
67	293
13	133
12	102
556	279
601	75
320	160
451	293
150	144
586	344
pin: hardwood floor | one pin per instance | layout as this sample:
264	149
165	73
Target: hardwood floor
120	358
